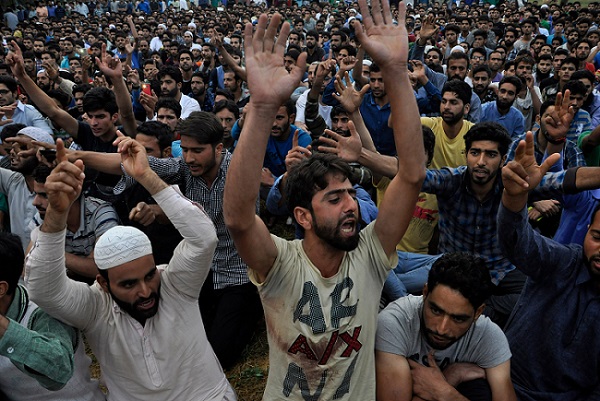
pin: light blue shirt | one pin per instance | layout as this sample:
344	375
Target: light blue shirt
513	121
30	116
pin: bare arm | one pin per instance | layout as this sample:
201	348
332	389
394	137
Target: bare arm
388	45
357	71
239	71
394	380
42	100
82	265
591	141
271	85
111	67
109	163
499	380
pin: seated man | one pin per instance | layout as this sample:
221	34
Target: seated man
40	357
426	346
144	326
88	219
553	331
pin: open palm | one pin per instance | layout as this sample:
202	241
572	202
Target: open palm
385	42
268	80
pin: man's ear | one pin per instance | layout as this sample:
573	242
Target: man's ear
479	311
292	118
425	290
303	217
3	289
115	118
103	283
166	152
467	108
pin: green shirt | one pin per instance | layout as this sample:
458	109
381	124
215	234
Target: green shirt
43	348
592	158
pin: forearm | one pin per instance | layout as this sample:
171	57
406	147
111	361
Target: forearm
42	101
45	354
406	125
537	103
590	142
109	163
125	107
379	164
244	174
82	265
151	181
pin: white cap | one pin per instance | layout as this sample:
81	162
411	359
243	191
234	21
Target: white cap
119	245
37	134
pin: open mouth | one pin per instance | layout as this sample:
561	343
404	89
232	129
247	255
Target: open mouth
147	304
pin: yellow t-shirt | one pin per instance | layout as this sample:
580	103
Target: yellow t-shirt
448	152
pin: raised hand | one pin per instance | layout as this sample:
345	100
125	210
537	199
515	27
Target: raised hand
14	59
63	185
268	81
418	71
558	121
296	154
385	42
523	173
347	63
109	65
133	156
349	97
428	27
346	147
142	213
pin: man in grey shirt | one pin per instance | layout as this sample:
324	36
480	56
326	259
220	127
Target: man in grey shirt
438	346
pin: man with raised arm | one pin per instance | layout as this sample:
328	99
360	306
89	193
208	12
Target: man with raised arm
321	294
143	325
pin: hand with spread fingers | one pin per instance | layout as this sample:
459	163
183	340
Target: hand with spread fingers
296	154
109	65
349	97
385	42
523	173
269	82
558	120
346	147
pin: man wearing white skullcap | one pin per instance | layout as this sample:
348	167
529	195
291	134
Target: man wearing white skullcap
143	325
17	183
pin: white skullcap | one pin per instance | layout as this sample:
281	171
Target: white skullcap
163	26
458	48
188	33
191	24
37	134
196	46
119	245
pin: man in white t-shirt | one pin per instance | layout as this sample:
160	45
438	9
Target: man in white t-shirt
438	346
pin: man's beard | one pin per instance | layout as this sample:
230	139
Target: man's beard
332	236
132	309
27	166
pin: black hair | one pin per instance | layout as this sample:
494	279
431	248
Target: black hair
551	101
11	130
41	173
461	88
202	75
83	88
224	92
576	87
483	68
480	50
229	105
100	98
13	257
202	126
489	131
513	81
310	176
428	142
457	56
453	28
63	98
584	74
10	82
464	273
168	103
171	71
481	33
160	131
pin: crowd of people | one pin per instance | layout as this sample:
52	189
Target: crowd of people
439	162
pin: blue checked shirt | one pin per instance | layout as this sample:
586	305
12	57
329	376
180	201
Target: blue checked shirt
468	225
572	156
